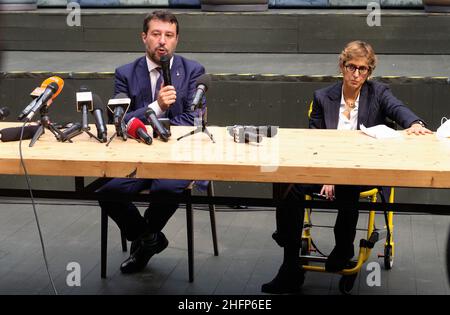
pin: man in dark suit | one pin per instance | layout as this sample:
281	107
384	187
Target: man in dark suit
345	106
141	80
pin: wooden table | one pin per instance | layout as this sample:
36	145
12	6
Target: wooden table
293	156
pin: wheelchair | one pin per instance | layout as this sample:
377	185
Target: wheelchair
373	235
365	246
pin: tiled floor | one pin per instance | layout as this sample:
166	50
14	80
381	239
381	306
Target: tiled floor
248	256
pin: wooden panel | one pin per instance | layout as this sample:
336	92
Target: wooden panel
415	34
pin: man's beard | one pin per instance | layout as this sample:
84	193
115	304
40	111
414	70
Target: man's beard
154	56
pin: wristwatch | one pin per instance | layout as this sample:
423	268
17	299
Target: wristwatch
418	122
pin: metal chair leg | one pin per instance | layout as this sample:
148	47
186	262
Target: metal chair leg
103	242
212	215
190	235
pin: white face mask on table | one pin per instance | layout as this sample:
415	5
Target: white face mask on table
444	130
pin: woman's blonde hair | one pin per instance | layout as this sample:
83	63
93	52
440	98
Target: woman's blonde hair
358	49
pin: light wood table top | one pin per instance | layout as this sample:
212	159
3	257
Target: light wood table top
293	156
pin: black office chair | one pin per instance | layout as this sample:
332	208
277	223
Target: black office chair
190	231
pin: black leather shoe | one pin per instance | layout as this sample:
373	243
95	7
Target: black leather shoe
141	253
339	259
287	280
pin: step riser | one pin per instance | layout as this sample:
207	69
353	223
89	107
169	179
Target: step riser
411	32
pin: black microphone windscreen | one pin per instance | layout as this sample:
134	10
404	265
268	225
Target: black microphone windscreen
98	103
84	88
165	66
204	79
4	112
13	133
54	86
164	59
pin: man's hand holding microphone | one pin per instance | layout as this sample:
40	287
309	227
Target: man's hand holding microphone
167	94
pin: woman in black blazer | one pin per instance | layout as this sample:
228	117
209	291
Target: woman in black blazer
344	105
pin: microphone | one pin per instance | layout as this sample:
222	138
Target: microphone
247	137
136	129
34	95
244	134
71	132
264	131
84	104
203	82
158	128
165	67
268	131
49	89
13	133
102	132
119	106
4	112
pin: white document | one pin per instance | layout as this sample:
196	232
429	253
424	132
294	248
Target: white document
380	132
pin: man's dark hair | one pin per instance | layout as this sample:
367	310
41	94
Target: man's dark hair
161	15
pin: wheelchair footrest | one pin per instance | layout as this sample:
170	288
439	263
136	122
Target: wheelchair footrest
374	237
314	258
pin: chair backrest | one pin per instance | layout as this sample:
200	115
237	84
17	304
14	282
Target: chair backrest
310	109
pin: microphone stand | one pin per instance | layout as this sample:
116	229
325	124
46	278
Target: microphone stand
91	135
201	128
85	127
123	132
44	122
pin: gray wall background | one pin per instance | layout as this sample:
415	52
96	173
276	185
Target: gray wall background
272	3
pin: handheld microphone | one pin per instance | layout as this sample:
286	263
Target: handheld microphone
247	137
136	129
4	112
264	131
203	82
119	106
13	133
71	132
35	94
243	134
158	128
50	88
84	104
165	67
39	90
102	132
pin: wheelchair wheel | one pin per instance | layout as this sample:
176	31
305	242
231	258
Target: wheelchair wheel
346	283
388	259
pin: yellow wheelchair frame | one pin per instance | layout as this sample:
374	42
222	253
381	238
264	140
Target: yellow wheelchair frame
373	235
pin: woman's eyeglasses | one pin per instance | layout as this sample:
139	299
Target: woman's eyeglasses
362	69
